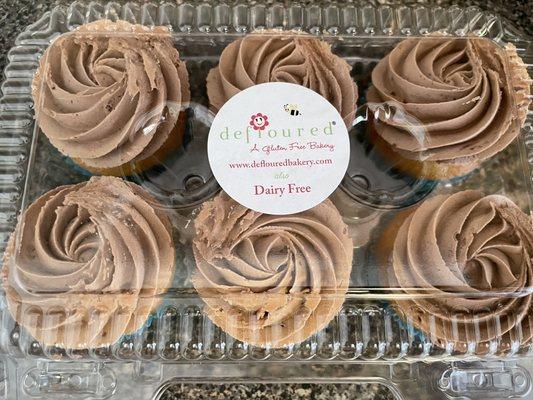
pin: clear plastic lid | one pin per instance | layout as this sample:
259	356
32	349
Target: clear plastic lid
272	180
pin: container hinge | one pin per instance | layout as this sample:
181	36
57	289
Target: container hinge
57	380
491	381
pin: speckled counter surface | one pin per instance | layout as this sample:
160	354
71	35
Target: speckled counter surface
15	15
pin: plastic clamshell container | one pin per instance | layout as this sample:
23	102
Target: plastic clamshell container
371	339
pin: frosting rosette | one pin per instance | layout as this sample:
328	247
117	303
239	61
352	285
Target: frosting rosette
451	101
301	60
87	262
110	93
473	254
271	280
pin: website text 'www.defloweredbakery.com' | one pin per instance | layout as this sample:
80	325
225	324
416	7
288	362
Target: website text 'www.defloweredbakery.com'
288	162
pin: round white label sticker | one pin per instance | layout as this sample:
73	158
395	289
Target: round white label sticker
278	148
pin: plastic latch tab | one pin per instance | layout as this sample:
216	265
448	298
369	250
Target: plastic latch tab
147	372
494	381
61	380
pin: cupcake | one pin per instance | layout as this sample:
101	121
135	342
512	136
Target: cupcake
449	104
271	280
87	262
111	96
302	60
472	257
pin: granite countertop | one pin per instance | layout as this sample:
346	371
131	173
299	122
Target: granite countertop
17	14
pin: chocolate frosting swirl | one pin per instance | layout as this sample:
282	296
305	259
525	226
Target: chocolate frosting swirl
110	92
467	100
86	263
302	60
271	279
474	253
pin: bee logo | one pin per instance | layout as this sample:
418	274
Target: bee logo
292	109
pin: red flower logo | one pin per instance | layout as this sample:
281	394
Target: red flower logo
259	121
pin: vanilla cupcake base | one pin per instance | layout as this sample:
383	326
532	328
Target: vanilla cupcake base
171	145
431	170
